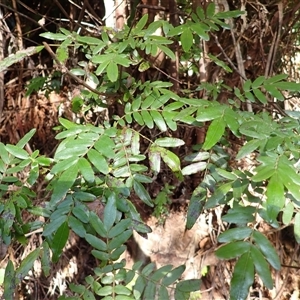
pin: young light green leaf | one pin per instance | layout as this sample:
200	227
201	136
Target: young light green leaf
243	277
267	249
214	133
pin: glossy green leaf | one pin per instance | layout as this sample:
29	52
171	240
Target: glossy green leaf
243	278
59	241
98	161
170	159
147	119
267	249
158	120
169	142
17	151
194	168
142	193
138	118
214	133
169	118
234	234
233	250
261	267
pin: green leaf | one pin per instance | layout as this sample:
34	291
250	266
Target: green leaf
169	118
63	184
169	142
210	10
96	242
142	193
26	265
161	272
267	249
195	206
288	212
261	267
118	241
158	120
17	151
9	282
210	113
86	170
76	226
54	225
105	145
198	156
248	148
233	250
45	259
234	234
112	71
163	293
119	228
154	159
260	96
139	287
276	78
265	172
147	119
170	159
98	161
214	133
97	224
138	118
59	241
194	168
186	39
243	278
110	212
273	91
141	23
26	138
190	285
54	36
288	86
167	51
297	227
173	275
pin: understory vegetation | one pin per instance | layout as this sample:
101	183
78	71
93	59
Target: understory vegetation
130	119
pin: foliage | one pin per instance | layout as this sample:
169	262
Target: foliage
106	164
